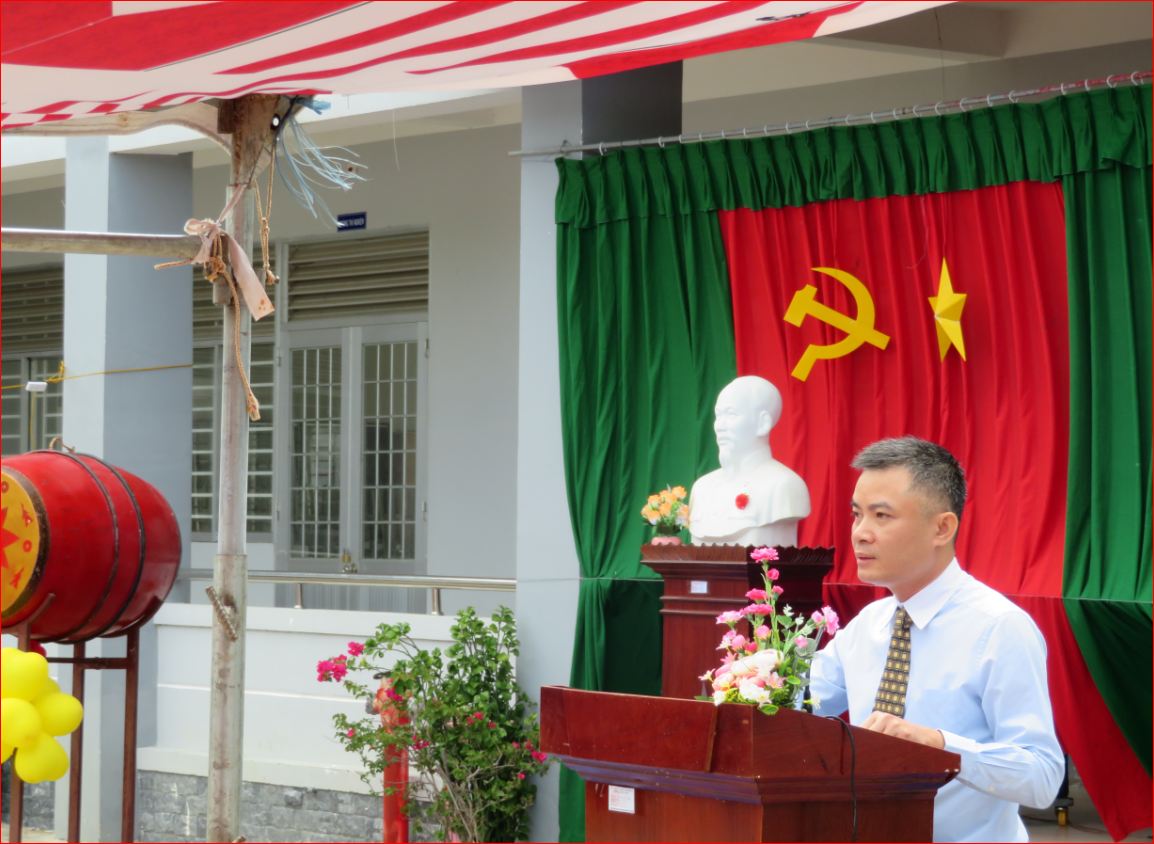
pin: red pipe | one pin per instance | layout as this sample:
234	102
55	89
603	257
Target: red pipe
396	773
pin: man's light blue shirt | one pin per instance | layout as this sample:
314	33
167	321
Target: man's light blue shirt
977	674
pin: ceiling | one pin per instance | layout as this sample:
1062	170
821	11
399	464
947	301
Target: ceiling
935	39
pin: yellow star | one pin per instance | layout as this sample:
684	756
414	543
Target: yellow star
948	307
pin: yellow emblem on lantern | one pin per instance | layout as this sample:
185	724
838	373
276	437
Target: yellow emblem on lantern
948	307
858	330
20	531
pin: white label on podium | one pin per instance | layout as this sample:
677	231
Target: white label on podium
699	587
621	799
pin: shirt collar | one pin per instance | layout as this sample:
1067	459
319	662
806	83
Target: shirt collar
923	606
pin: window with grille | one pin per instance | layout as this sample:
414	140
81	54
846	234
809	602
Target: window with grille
33	332
389	517
316	431
206	367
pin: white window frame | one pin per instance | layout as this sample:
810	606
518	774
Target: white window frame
351	339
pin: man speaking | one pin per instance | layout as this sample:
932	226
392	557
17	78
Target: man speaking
945	660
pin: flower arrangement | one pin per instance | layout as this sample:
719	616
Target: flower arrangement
468	727
667	511
770	666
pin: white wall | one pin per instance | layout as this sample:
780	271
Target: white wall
464	188
288	731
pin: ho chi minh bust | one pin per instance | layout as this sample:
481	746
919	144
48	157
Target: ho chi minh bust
752	499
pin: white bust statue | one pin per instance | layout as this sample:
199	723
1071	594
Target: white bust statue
752	499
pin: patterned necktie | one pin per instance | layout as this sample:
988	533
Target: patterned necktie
891	695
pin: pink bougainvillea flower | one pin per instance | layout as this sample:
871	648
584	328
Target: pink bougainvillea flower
356	648
492	725
516	745
756	595
520	775
538	756
351	733
742	501
763	554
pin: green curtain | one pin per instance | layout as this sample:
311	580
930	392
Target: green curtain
646	343
1107	578
652	291
1039	141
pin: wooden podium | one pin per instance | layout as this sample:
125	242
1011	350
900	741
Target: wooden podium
703	581
666	769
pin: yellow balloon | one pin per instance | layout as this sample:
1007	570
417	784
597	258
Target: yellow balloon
43	761
8	659
19	722
50	688
6	749
60	714
24	675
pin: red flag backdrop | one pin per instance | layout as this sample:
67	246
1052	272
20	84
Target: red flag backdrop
1003	410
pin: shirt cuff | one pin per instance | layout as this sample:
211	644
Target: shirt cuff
964	747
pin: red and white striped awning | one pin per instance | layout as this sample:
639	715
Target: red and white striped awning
70	59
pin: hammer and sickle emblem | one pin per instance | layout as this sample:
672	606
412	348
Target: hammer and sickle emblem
857	330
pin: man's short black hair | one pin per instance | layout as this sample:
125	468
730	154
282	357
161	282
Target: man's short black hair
933	470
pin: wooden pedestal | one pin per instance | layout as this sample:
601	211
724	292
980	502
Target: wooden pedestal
701	582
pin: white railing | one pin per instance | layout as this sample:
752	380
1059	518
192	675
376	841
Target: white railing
433	583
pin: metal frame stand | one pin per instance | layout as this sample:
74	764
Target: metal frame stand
130	664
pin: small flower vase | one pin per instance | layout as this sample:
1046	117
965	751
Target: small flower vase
661	538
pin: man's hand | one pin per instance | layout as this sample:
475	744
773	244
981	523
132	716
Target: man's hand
892	725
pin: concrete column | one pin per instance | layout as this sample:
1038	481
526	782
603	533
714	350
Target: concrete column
639	104
121	314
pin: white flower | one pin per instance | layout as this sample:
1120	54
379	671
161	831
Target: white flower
760	663
788	610
751	691
718	698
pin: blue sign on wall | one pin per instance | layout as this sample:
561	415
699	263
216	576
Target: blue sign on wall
356	220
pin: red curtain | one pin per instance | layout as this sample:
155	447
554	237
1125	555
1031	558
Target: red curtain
1003	410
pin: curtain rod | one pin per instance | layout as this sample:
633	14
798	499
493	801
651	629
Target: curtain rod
964	104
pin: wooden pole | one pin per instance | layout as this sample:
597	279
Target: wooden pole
99	243
249	121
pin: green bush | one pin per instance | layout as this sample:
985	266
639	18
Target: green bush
471	732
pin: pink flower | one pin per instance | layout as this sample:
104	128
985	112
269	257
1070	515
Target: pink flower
420	744
758	609
738	642
520	775
831	620
726	661
356	648
763	554
538	756
516	745
773	574
751	647
492	725
761	632
351	733
801	641
729	617
756	595
774	681
777	590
